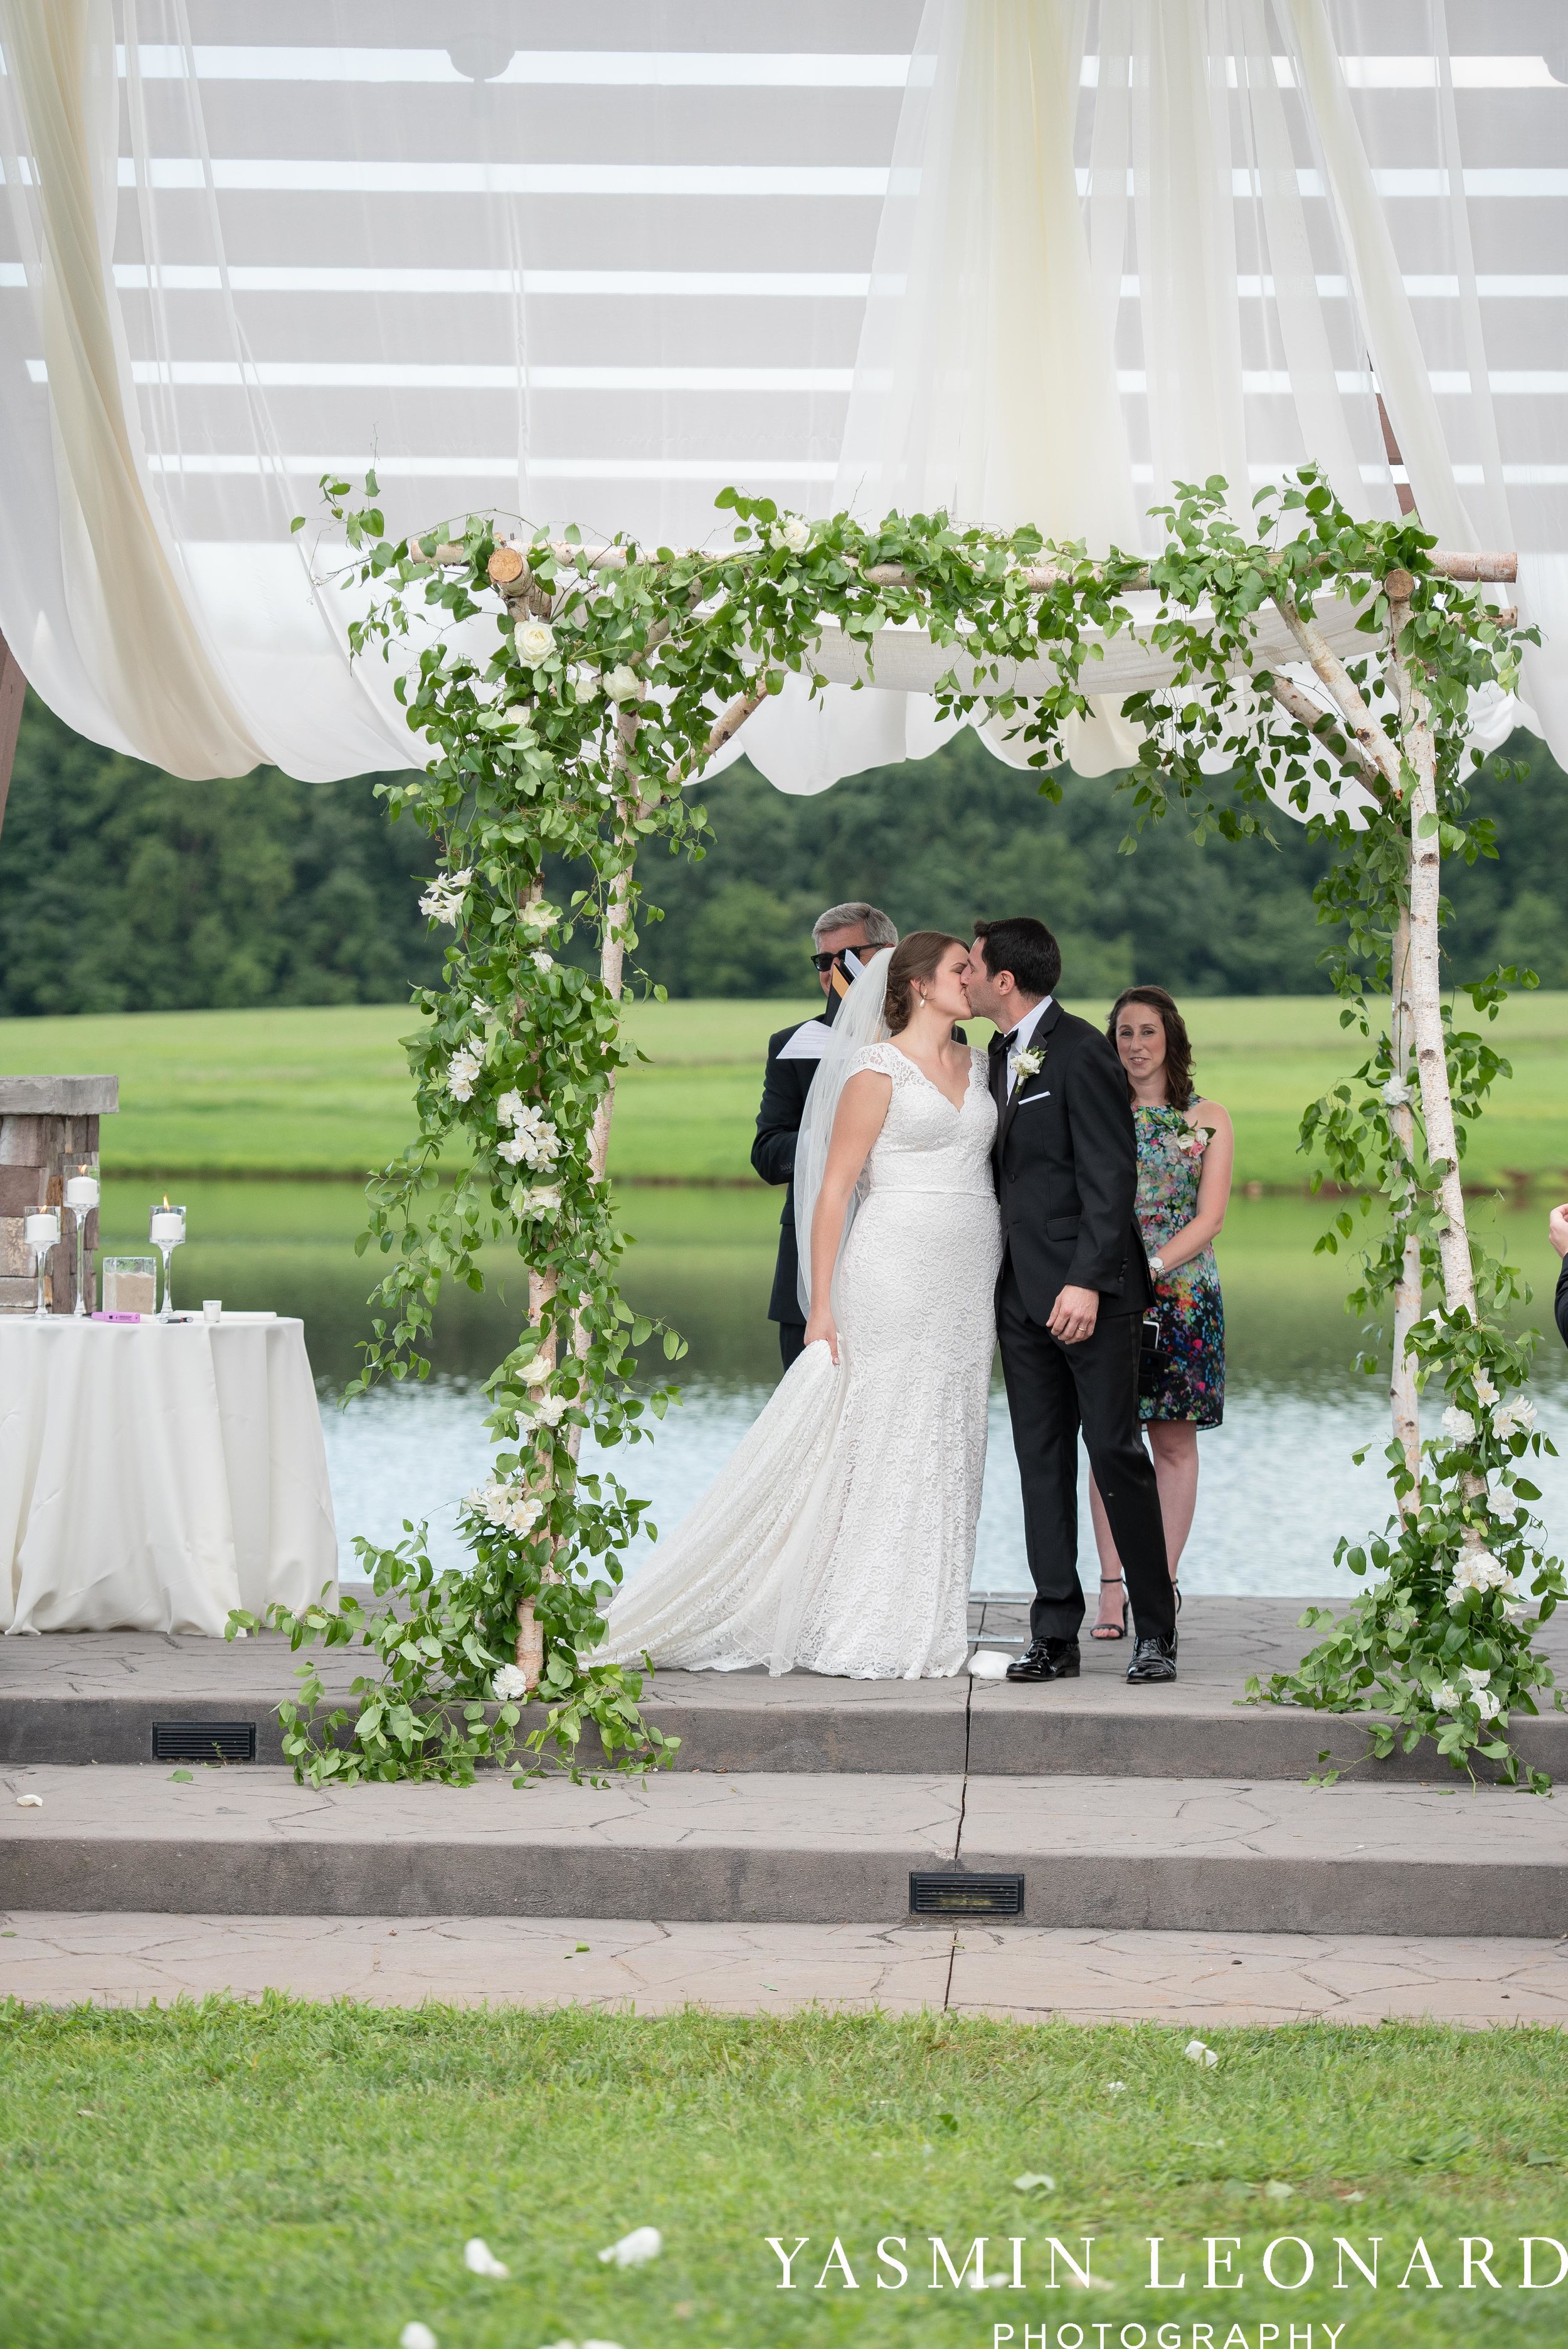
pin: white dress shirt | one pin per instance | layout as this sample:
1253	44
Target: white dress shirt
1018	1037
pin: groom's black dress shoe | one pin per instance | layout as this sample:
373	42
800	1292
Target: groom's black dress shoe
1153	1658
1046	1660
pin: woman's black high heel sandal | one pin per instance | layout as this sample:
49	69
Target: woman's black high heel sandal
1108	1631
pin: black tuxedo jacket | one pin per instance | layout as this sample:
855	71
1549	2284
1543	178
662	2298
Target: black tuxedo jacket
784	1090
1066	1162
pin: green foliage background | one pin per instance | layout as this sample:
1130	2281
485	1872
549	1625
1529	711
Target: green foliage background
124	889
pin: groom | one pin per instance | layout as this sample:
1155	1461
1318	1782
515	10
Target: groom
1070	1297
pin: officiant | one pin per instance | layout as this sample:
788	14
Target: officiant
840	938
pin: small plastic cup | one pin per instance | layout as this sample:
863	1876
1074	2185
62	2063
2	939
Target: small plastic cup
211	1308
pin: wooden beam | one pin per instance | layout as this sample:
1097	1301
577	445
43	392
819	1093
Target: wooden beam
13	694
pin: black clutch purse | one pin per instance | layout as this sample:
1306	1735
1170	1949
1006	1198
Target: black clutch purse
1152	1355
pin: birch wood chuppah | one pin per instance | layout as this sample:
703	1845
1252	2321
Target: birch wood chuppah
1307	662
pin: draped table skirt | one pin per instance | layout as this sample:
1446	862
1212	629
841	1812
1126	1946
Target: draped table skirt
155	1474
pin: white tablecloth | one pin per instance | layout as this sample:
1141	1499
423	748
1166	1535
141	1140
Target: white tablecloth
155	1474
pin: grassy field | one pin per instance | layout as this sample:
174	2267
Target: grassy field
295	2176
325	1092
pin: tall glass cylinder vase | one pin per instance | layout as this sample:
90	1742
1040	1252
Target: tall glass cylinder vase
82	1196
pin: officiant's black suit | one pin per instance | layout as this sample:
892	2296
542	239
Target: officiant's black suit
1066	1162
784	1090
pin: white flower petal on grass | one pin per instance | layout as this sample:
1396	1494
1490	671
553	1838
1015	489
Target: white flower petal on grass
1115	2087
29	1802
1196	2052
417	2336
480	2259
641	2244
1034	2180
1278	2191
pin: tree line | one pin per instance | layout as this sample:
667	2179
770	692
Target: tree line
122	889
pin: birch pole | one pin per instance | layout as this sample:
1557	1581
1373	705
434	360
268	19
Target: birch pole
1403	1394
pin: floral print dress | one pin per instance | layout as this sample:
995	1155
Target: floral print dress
1190	1382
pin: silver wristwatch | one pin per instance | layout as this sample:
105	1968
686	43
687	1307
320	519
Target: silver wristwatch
1156	1267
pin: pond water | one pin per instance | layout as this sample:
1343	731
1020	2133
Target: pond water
1278	1483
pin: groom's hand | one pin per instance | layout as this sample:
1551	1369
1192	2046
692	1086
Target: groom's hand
1074	1315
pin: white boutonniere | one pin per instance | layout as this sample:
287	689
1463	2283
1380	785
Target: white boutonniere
1026	1065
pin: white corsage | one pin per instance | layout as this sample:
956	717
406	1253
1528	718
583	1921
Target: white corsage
1026	1065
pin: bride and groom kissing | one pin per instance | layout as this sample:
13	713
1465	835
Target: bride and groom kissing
945	1199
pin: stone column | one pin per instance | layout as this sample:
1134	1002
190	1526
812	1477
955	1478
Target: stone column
44	1124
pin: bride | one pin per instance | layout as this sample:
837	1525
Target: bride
841	1535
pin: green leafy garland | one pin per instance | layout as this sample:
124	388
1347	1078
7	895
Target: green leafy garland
569	697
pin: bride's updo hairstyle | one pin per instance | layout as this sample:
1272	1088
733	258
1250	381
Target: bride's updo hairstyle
915	960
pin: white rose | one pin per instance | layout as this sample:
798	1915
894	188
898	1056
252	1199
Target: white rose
1458	1425
1397	1093
510	1681
1486	1704
1476	1677
1446	1698
537	1372
550	1410
585	685
542	961
623	684
535	641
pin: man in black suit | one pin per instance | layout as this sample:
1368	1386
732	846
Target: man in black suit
1070	1297
842	937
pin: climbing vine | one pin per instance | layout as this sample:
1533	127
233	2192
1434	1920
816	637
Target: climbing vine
570	697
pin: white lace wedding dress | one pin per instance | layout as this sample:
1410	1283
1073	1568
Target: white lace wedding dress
841	1535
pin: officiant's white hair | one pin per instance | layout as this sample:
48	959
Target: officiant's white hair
855	915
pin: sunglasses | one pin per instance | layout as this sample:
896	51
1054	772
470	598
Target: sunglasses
826	961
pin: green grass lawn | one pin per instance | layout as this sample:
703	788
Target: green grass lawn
325	1091
300	2177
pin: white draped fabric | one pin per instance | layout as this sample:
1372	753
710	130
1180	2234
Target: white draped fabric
154	1476
1033	259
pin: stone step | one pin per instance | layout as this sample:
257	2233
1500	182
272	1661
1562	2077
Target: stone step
100	1697
1172	1854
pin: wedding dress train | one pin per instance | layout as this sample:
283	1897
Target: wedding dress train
840	1535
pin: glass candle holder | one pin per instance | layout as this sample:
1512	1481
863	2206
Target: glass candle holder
41	1232
82	1194
166	1230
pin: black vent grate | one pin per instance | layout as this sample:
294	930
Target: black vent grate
965	1896
203	1741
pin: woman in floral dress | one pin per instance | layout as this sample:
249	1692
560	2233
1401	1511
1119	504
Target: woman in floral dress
1185	1150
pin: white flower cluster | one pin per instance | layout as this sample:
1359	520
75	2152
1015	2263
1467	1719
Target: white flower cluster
538	1205
506	1506
1397	1093
793	533
1478	1569
535	641
509	1683
462	1071
1447	1698
548	1411
1458	1426
443	900
1514	1418
533	1141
